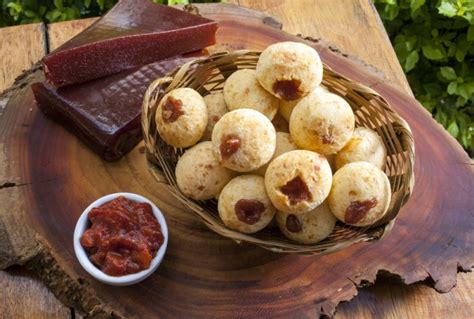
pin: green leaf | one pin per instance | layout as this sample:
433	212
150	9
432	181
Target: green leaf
460	54
29	13
470	88
448	73
453	129
411	61
447	9
53	15
416	4
100	3
452	87
58	4
463	90
87	3
451	50
470	33
434	51
461	101
42	10
391	11
441	117
15	6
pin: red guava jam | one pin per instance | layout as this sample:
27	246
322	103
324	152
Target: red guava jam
123	238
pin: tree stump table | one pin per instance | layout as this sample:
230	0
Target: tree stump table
42	193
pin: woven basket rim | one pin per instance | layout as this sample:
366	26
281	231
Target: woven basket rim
396	126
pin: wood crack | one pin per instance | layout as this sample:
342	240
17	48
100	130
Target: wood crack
333	48
11	184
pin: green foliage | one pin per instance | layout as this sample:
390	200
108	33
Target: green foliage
28	11
434	42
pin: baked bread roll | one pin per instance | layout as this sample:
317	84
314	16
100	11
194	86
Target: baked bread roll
289	70
284	144
366	146
322	122
242	90
307	228
360	194
181	117
244	205
244	140
216	108
199	174
298	181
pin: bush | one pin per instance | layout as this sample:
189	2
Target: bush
434	42
29	11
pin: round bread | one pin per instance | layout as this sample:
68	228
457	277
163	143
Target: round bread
286	107
244	140
216	108
284	144
199	174
322	122
244	205
181	117
307	228
289	70
364	146
242	90
298	181
360	194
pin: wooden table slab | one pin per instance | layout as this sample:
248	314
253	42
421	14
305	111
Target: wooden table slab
332	18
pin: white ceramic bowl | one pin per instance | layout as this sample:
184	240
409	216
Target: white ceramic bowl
82	224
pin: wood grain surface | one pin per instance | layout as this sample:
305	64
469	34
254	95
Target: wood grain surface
25	297
390	299
60	32
29	42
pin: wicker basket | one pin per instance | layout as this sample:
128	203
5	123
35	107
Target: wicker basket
208	75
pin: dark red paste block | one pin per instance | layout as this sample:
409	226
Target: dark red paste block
133	33
105	113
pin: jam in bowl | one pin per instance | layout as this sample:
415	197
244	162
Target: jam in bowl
121	238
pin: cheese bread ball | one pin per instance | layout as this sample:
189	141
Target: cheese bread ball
307	228
244	205
360	194
216	108
286	107
181	117
366	146
322	122
298	181
242	90
289	70
199	174
284	144
243	140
